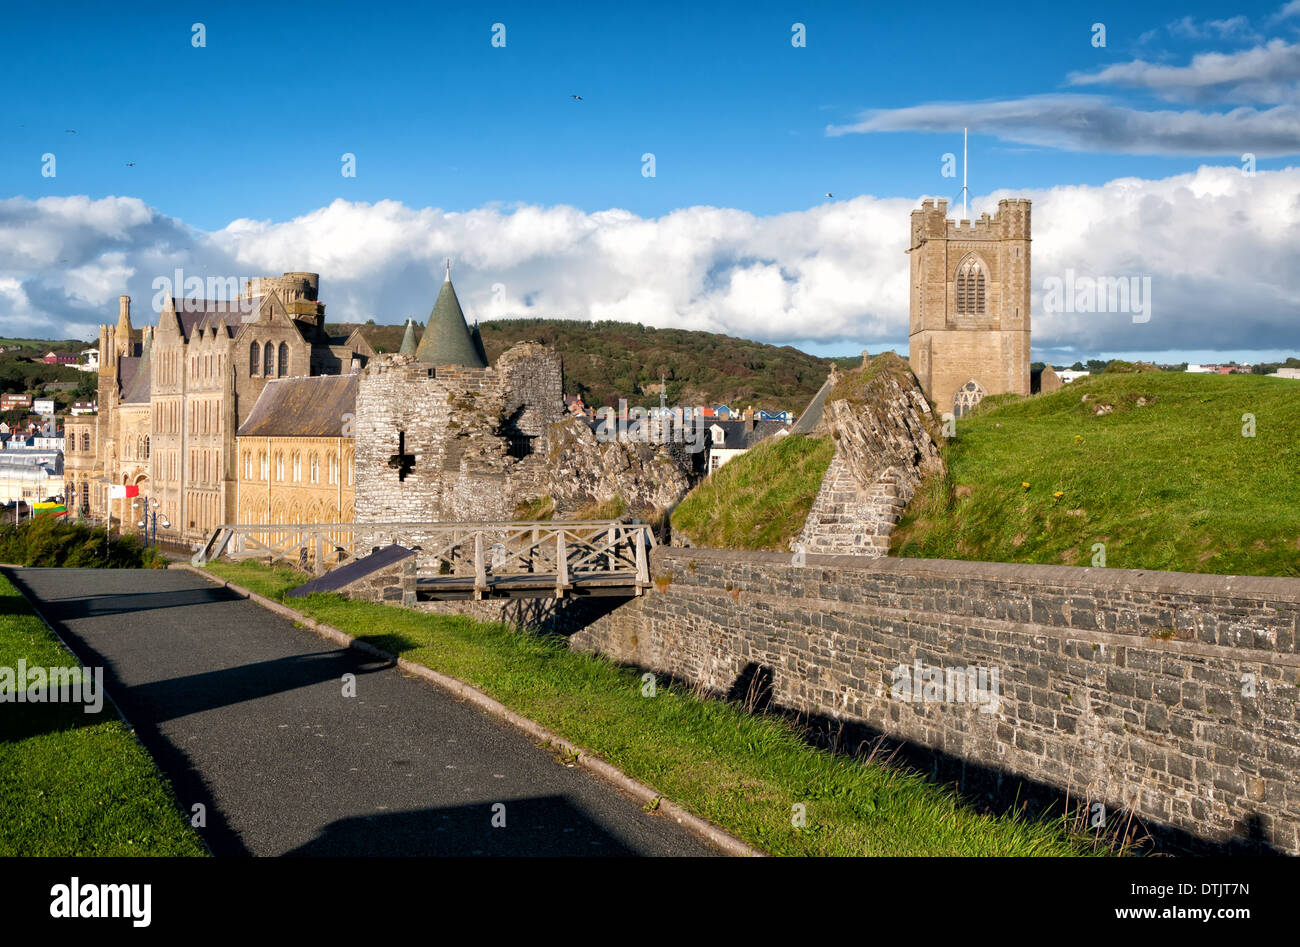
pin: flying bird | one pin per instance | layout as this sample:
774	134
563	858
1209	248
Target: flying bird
130	164
70	131
829	194
577	98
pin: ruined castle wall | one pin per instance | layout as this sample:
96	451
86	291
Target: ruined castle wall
463	460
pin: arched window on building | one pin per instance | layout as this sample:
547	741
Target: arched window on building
85	440
254	358
248	465
315	468
970	288
279	466
268	360
146	447
283	367
334	469
297	468
265	465
968	395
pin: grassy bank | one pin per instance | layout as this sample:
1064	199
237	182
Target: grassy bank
760	499
740	771
1164	479
73	783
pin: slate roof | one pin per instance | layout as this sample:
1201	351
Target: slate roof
356	569
127	366
408	339
208	313
447	339
303	407
141	386
735	437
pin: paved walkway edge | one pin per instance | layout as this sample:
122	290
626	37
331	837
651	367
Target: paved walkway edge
638	790
7	570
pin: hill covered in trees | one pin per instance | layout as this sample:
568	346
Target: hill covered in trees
605	361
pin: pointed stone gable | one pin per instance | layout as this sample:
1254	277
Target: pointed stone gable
447	339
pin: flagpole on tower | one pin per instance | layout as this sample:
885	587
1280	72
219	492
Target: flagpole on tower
963	174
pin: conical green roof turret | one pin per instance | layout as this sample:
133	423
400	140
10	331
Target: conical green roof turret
408	339
447	339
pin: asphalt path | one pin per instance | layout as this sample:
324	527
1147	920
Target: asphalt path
246	715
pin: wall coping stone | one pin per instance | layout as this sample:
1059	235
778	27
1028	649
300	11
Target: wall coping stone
1271	588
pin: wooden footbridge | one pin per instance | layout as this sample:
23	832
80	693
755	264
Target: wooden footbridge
461	560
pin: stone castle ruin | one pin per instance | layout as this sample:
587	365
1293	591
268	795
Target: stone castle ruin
443	436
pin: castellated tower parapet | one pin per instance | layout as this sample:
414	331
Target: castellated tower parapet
970	291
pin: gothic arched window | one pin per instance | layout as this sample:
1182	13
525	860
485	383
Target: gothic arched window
970	288
283	367
968	395
254	358
268	360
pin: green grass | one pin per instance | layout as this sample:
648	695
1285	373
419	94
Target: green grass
72	783
1171	485
741	771
760	499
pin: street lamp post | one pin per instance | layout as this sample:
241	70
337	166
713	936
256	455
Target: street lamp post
150	519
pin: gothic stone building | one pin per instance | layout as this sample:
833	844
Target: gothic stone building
969	333
172	398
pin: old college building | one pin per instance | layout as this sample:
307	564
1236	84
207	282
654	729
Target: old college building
245	411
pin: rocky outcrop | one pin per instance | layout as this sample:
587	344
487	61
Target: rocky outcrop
582	471
882	426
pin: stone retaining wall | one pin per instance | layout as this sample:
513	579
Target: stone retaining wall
1172	695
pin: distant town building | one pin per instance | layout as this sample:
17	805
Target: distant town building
13	402
727	440
31	474
84	407
1203	369
55	358
43	406
1285	373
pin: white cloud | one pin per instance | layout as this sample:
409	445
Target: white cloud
1218	245
1267	74
1093	123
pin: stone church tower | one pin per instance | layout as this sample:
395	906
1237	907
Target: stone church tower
969	334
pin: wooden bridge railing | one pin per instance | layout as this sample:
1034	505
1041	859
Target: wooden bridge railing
483	552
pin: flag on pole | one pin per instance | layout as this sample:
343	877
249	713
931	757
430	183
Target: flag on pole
58	509
121	492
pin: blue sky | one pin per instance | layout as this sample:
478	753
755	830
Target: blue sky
253	126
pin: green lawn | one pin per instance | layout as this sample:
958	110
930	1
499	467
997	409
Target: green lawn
760	499
1170	484
73	783
740	771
